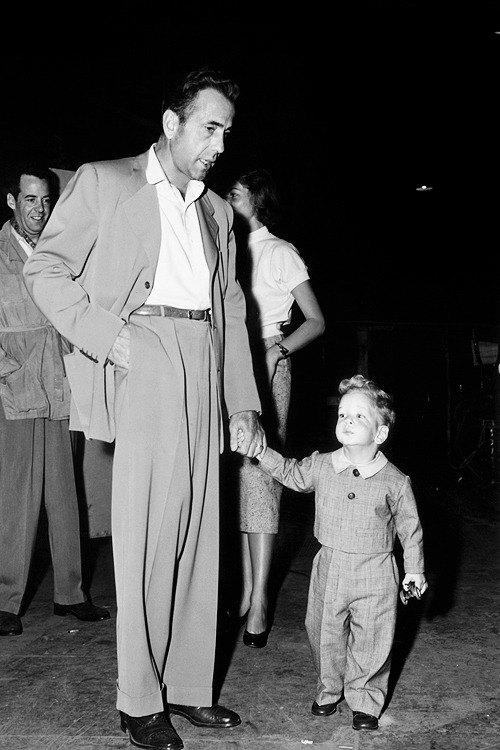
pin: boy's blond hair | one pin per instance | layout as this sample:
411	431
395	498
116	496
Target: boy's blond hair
381	400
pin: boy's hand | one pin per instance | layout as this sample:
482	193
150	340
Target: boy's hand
420	584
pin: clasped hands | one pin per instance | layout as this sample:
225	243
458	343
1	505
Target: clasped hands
246	434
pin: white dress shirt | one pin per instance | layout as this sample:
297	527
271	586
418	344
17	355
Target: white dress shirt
182	277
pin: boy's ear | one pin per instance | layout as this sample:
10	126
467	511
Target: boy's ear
382	434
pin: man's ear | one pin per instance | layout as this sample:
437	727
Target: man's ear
11	201
382	434
170	123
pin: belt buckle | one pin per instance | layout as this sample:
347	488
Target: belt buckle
190	314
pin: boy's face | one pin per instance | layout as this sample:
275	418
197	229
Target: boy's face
358	421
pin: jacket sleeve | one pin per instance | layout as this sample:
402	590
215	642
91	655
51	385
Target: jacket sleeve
409	529
294	474
240	390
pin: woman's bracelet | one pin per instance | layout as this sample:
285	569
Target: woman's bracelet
284	351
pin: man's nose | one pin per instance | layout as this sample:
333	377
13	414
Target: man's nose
219	143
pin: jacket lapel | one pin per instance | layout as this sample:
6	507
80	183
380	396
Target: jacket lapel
140	208
209	231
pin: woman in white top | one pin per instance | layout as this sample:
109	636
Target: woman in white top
273	276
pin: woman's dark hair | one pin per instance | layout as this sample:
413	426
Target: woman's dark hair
263	195
180	100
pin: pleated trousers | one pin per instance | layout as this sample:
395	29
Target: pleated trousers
165	516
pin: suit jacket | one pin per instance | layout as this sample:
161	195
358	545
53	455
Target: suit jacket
94	265
355	514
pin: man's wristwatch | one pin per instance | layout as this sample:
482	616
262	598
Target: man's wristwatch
284	351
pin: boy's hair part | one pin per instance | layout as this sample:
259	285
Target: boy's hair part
381	400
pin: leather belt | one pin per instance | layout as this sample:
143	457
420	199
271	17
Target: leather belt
173	312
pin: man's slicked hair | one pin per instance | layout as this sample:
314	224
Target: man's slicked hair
180	99
12	183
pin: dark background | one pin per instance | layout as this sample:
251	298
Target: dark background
351	106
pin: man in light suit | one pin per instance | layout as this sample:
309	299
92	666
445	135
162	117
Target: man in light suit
137	270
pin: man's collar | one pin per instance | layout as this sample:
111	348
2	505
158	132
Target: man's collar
155	175
154	170
341	462
21	233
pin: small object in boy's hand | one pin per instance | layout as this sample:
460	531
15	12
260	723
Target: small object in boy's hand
406	594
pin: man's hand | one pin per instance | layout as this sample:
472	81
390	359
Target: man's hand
246	434
119	354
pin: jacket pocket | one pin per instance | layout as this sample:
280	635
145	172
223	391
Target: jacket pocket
22	392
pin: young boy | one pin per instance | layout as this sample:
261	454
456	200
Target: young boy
362	502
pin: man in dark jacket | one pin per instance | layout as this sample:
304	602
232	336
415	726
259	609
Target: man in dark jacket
36	458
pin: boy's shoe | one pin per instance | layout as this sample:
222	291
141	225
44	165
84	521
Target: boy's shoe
364	721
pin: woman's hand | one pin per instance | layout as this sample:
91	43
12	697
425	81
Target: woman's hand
273	356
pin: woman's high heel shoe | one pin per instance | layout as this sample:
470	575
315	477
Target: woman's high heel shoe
256	640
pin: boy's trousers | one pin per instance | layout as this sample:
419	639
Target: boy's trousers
350	621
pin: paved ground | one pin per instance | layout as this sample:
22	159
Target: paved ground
57	679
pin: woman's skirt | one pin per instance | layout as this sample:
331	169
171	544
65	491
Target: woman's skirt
260	494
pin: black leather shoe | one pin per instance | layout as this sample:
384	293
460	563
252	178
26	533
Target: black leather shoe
84	611
325	710
153	732
10	624
214	717
256	640
364	721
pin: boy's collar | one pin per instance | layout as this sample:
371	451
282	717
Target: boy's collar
341	462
